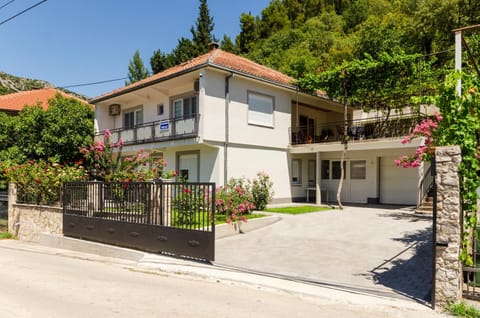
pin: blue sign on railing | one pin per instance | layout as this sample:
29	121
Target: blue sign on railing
164	125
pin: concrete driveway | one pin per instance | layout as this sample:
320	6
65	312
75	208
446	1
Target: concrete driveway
378	250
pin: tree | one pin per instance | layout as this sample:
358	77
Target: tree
54	134
202	33
136	69
68	126
161	61
227	44
184	51
248	33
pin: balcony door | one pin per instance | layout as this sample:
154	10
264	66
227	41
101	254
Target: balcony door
307	128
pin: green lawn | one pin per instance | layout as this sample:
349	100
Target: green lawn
298	209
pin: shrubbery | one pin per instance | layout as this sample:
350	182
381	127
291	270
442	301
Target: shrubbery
241	196
40	182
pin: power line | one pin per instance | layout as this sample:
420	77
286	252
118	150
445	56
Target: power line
95	83
6	4
22	12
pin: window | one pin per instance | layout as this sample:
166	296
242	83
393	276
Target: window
312	172
132	118
358	169
160	109
336	171
296	171
260	109
325	169
185	107
188	164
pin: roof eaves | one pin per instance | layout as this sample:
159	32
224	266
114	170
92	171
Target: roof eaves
252	76
146	84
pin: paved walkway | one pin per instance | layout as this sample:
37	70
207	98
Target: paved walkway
380	251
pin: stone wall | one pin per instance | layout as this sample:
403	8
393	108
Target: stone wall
27	221
448	275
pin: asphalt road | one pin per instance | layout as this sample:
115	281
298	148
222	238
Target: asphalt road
40	282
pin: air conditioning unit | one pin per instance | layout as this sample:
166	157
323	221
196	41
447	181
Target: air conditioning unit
114	109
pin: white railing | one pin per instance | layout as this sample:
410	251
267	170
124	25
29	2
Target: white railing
169	129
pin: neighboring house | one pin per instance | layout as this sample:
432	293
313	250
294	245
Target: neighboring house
14	103
220	116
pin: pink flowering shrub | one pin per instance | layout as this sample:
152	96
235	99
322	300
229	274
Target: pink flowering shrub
425	129
235	200
103	160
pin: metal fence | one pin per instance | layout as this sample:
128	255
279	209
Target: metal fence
471	274
165	217
357	130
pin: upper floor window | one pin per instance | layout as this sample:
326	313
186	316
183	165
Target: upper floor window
132	118
185	107
260	109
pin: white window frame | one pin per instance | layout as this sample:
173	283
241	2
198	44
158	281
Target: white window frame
296	171
358	169
261	109
137	113
185	113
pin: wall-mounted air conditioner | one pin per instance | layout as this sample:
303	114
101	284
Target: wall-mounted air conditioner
114	109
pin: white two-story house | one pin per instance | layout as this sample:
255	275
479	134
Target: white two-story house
220	116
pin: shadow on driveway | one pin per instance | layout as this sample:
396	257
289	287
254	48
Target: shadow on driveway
411	277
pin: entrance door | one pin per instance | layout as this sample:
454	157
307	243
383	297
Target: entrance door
188	166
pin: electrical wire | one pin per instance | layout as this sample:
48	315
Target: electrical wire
6	4
95	83
22	12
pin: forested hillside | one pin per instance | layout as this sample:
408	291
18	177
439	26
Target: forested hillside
304	36
369	53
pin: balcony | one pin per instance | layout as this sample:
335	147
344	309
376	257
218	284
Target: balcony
162	130
358	130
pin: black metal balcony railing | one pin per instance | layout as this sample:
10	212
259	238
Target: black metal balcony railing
358	130
160	130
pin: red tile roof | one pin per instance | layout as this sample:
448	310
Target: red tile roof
214	58
16	101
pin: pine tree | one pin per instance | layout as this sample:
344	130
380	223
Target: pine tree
228	45
136	69
248	35
202	33
161	61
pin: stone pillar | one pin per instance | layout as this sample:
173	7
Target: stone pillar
448	272
95	197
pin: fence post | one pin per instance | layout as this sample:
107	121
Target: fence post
448	273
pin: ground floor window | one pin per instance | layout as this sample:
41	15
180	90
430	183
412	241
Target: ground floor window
336	170
358	169
296	171
188	164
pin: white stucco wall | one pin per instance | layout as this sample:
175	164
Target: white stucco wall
384	180
240	131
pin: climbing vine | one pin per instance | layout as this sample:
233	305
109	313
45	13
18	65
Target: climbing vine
460	126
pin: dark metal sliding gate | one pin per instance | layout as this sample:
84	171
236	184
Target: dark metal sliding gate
161	217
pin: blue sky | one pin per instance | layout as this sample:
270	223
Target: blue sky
68	42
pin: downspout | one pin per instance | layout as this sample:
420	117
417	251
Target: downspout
227	128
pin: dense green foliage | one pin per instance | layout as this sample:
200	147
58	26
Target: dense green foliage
460	126
40	182
55	133
136	69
